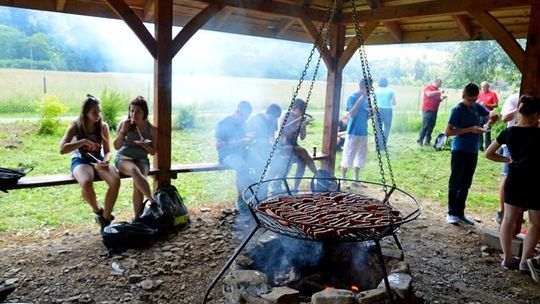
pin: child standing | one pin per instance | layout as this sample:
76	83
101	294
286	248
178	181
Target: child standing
465	124
521	184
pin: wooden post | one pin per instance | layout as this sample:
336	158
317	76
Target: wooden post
162	89
333	97
531	72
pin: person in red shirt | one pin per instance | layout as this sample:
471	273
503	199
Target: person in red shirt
433	96
490	101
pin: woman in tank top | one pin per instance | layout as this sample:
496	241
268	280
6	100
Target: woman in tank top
135	139
87	138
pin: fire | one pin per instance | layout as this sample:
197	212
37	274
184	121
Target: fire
355	289
328	287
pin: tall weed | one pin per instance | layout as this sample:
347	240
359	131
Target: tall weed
50	109
112	103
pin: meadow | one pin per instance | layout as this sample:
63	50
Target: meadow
421	171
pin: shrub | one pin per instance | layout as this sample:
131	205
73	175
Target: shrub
186	118
50	108
111	105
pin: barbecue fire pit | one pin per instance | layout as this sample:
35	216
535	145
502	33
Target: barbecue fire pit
329	210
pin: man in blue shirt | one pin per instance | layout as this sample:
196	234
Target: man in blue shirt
355	147
386	99
464	123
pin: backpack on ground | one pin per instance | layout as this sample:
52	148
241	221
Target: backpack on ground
119	237
440	141
10	177
167	213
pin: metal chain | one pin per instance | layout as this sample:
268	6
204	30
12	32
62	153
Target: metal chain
373	108
328	18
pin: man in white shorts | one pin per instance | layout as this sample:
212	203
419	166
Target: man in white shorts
355	148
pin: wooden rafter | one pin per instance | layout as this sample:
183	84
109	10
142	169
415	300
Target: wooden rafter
503	37
222	17
60	4
193	26
464	25
149	8
392	26
530	83
323	49
135	23
273	7
353	45
283	25
441	8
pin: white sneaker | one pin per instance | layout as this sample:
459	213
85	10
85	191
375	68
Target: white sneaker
452	219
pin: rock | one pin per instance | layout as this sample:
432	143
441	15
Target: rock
371	296
147	284
282	295
400	284
333	296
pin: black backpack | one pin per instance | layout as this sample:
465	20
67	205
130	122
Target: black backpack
10	177
167	213
119	237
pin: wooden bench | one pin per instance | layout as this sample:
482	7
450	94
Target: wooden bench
67	179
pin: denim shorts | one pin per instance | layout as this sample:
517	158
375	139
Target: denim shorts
75	161
504	169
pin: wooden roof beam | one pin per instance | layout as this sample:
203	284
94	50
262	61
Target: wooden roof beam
149	9
283	26
530	80
503	37
441	7
60	4
464	25
273	7
193	26
392	26
222	17
353	45
136	25
321	46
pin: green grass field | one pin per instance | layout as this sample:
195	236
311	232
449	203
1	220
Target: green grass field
421	171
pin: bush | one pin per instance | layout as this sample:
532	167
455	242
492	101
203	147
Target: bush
111	105
186	118
50	109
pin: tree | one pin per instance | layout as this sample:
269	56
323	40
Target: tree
476	61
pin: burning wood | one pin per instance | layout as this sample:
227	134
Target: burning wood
330	214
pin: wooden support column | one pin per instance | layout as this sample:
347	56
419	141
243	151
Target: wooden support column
334	82
530	78
162	88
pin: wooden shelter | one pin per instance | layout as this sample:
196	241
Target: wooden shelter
381	21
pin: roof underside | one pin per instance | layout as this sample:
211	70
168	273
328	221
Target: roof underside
384	21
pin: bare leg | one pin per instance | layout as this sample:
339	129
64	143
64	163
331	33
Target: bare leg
356	174
501	193
532	236
306	159
84	174
507	228
137	199
111	177
300	169
344	172
140	183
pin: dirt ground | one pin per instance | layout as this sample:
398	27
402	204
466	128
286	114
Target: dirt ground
446	261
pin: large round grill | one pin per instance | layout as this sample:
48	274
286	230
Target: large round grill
348	213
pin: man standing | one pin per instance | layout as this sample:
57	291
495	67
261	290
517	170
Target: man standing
433	96
490	101
464	123
355	148
386	99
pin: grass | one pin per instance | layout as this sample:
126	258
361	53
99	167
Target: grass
421	171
